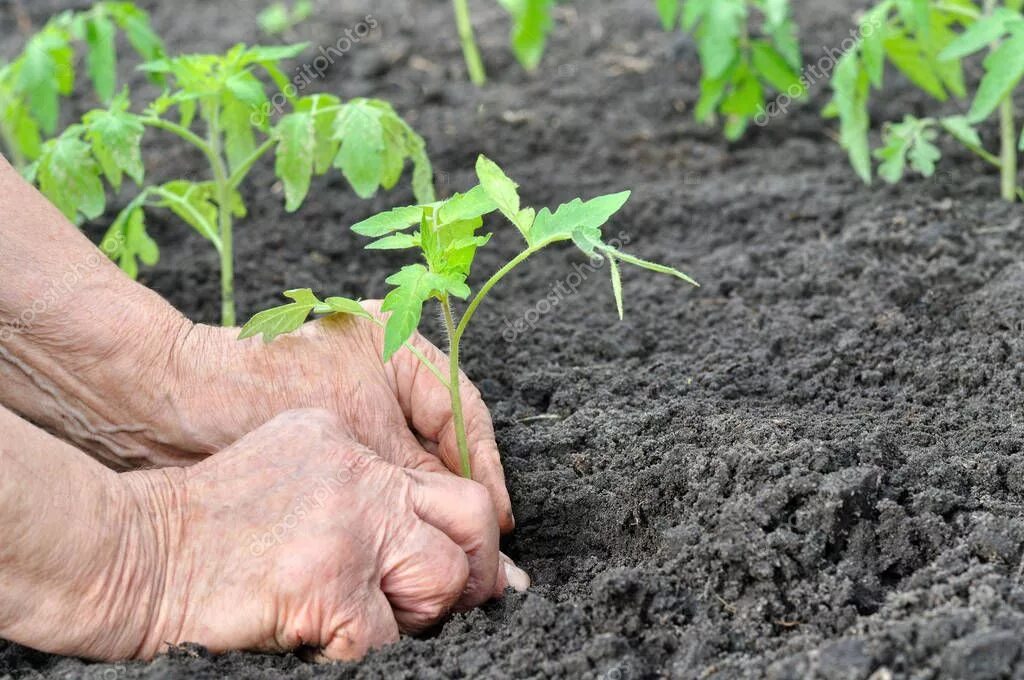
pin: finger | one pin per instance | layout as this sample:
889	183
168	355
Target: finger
424	577
372	628
462	510
427	405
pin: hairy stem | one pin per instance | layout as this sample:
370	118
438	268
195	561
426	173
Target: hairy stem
469	48
454	390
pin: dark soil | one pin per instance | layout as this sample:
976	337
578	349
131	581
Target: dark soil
812	467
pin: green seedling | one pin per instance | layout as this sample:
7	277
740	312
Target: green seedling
927	41
279	18
446	235
531	23
31	86
222	110
738	66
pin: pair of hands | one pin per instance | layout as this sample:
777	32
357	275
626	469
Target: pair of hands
330	516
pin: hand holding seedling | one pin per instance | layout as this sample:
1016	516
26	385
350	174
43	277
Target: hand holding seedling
297	536
447	241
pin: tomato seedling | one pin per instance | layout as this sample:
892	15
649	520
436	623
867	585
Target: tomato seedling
531	23
364	138
33	83
739	65
447	238
279	18
927	42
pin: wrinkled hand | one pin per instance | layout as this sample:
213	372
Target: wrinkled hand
398	409
300	536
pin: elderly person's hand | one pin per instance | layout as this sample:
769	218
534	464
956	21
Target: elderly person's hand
297	536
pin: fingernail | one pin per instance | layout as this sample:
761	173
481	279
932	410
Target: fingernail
518	579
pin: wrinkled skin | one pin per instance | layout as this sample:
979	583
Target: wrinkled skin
276	545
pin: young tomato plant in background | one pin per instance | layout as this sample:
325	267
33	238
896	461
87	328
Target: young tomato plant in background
31	86
738	67
279	18
222	110
531	23
927	42
446	236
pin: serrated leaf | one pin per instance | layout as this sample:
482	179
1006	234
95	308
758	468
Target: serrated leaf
284	319
873	31
650	266
719	36
38	79
773	68
1004	68
908	57
360	158
474	203
70	177
323	124
414	285
116	139
272	54
101	57
296	154
387	222
574	215
978	36
502	191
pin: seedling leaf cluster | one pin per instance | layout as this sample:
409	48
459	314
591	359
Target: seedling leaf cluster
447	235
927	42
219	105
31	86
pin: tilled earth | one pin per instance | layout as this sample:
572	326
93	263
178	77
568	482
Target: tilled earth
811	467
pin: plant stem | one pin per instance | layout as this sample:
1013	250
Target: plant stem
469	49
224	224
1008	130
454	390
240	173
493	281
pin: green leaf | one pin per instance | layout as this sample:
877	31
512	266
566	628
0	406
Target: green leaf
101	58
851	85
774	68
530	28
387	222
272	54
247	88
474	203
360	158
137	28
69	176
239	140
651	266
194	203
576	214
296	153
341	305
399	241
719	36
978	36
284	319
668	12
1004	68
127	241
38	79
116	139
961	128
908	57
712	91
414	285
323	124
909	140
693	12
504	193
873	31
616	285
